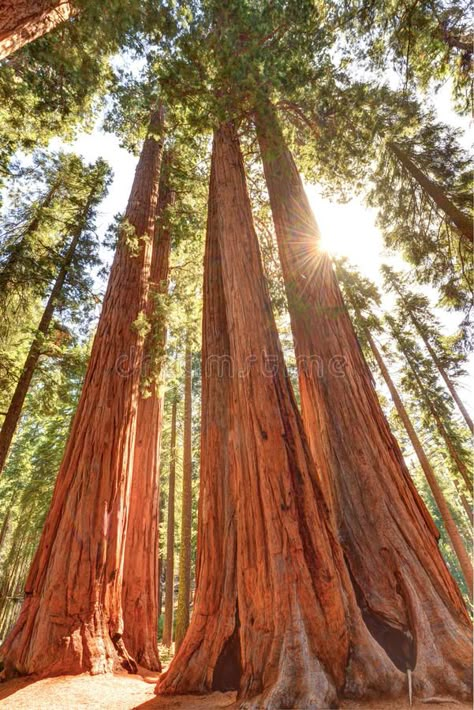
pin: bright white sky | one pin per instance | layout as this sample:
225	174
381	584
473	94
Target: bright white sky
347	229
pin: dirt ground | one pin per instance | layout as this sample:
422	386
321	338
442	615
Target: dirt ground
127	692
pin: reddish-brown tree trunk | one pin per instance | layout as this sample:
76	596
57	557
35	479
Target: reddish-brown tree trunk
169	583
448	520
71	619
388	536
461	221
12	417
274	614
140	574
184	589
213	624
22	21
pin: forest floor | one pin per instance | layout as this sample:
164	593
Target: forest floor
127	692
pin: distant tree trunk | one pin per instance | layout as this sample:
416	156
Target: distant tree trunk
444	375
22	21
278	627
460	220
10	569
184	589
12	417
71	619
461	466
388	536
169	588
5	525
161	564
7	274
464	501
448	521
140	580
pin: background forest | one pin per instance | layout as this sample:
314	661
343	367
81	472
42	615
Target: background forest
373	100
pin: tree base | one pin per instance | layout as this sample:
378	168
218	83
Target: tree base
47	646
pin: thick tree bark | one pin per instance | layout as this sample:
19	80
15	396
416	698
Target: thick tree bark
388	536
213	621
22	21
275	615
71	619
140	574
460	220
169	584
12	417
184	588
448	521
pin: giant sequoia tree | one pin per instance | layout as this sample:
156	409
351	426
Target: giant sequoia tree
318	569
360	296
77	625
140	576
275	612
359	460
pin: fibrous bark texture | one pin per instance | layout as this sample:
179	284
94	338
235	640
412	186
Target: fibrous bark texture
184	589
140	576
275	615
22	21
71	619
409	600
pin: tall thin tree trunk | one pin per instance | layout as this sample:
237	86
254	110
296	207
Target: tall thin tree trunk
464	501
385	529
5	524
12	417
140	581
184	589
161	564
460	220
22	21
283	629
169	588
444	374
461	466
448	520
71	619
8	271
